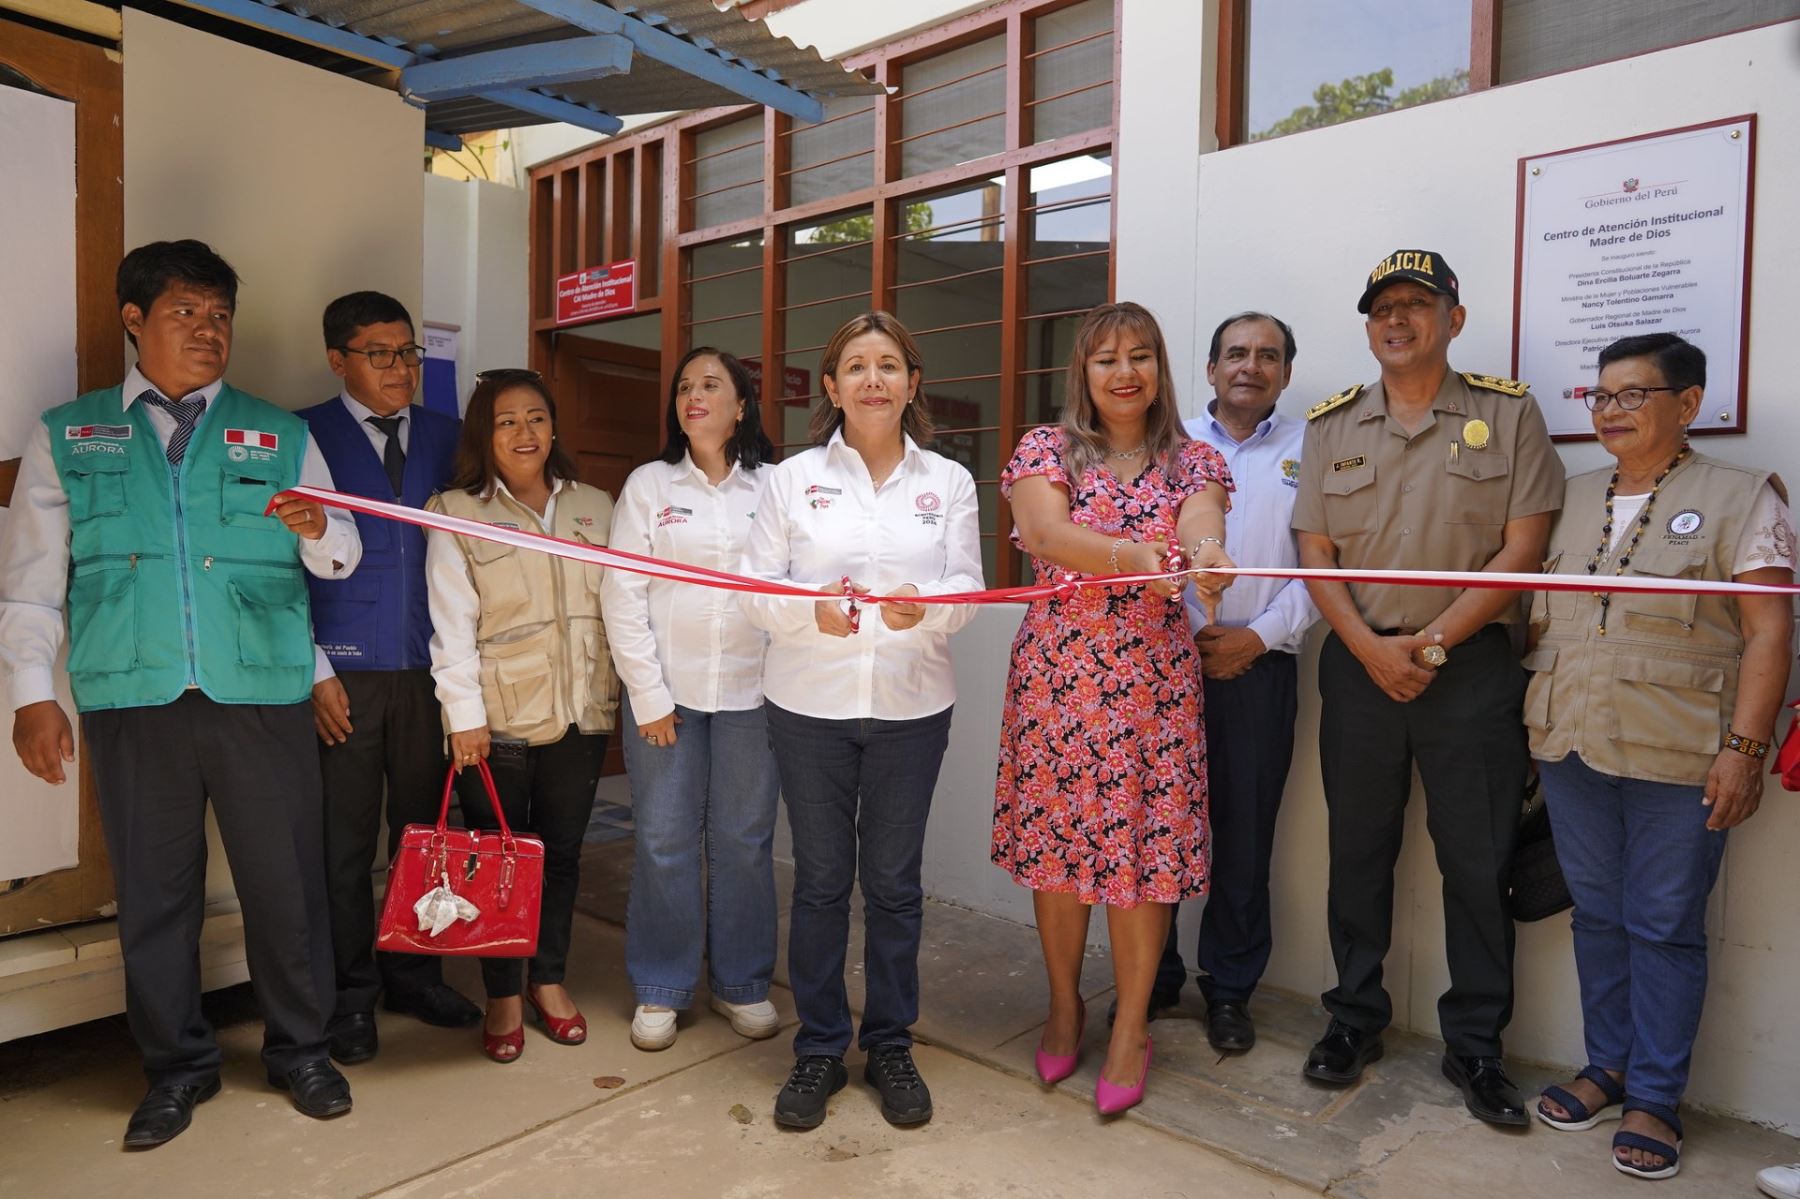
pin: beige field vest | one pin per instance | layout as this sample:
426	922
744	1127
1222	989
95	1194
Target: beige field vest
545	663
1652	697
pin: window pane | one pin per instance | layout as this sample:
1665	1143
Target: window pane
834	156
963	403
1312	65
728	171
1539	37
725	296
976	451
829	271
949	270
1071	72
1071	206
952	233
953	107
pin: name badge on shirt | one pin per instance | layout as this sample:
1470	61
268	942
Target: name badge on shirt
1350	463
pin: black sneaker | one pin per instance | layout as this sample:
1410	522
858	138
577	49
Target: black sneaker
904	1097
801	1103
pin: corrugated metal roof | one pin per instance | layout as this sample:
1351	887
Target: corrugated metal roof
447	29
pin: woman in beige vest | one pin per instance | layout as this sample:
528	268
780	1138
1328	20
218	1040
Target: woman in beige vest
520	659
1650	717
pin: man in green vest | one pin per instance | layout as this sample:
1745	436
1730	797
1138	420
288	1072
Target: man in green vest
140	513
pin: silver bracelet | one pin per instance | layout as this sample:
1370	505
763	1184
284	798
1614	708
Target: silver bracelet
1112	559
1195	552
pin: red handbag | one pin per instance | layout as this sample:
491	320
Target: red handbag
1787	758
463	891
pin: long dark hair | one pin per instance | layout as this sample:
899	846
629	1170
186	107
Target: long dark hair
749	446
475	471
1085	443
828	418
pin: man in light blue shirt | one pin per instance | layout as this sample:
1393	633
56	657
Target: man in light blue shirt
1250	663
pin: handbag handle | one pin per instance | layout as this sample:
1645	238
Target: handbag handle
487	780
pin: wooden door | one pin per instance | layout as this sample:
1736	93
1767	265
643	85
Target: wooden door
89	77
609	406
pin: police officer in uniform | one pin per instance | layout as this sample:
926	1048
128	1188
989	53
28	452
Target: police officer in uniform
141	511
1425	469
373	699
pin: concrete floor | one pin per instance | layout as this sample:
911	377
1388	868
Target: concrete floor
433	1118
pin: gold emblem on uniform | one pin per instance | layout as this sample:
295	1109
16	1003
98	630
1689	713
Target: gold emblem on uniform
1475	434
1349	463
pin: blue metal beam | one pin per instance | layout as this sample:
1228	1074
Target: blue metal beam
520	66
553	109
443	141
665	47
304	29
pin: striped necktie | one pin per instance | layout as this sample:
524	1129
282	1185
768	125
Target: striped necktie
187	415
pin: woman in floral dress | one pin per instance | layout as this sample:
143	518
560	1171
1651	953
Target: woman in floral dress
1101	797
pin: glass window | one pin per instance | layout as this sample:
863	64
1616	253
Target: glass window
829	266
1312	65
1071	70
725	296
728	172
1538	37
953	107
1069	252
835	156
949	280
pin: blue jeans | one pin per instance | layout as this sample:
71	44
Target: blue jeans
1640	863
715	790
858	793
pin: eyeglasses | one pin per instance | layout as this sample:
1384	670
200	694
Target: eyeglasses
1630	399
504	374
1412	307
383	359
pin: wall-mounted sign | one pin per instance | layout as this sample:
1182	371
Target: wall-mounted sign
796	382
596	292
1648	234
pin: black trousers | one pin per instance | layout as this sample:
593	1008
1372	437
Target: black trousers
155	770
1249	747
396	749
1467	735
547	791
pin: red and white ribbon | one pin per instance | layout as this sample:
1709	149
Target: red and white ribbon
657	568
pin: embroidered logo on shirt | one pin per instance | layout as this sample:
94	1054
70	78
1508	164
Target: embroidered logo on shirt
928	502
82	432
821	489
252	437
1290	471
585	521
503	524
673	515
1685	523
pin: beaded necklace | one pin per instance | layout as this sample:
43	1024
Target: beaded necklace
1643	522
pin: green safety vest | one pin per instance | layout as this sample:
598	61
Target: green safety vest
176	578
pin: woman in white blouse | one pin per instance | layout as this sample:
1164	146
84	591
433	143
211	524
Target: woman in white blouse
859	701
520	659
702	775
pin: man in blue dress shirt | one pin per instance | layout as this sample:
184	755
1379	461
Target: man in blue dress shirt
1250	663
374	704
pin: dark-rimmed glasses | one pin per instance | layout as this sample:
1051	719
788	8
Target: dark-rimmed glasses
1630	398
383	359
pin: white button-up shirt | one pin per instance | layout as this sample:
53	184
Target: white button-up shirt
34	554
822	518
680	643
1266	468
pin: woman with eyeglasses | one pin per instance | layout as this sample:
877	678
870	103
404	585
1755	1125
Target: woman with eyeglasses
1650	716
859	698
703	783
520	658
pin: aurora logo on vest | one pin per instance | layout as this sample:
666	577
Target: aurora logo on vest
1685	523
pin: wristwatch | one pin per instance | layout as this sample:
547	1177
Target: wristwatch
1434	656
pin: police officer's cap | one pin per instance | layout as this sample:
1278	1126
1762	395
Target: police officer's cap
1425	267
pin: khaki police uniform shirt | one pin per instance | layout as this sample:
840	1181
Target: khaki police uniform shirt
1428	500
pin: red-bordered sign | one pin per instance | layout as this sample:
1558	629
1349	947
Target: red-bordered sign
597	292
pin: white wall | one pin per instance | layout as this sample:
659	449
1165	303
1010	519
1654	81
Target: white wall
307	182
477	258
1293	225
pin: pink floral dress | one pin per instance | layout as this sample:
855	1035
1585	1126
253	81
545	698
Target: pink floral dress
1102	785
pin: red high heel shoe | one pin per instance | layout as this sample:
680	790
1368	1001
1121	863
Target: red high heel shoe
495	1045
564	1031
1054	1067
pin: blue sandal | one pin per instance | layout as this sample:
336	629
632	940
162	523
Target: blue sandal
1580	1118
1671	1154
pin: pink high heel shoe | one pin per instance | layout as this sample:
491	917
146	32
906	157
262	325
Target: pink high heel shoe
1054	1067
1111	1099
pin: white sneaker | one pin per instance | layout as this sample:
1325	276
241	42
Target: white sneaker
1783	1182
653	1026
753	1020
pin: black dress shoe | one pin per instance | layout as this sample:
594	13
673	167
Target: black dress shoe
814	1080
1228	1026
316	1088
164	1114
439	1004
1340	1055
904	1097
1487	1092
353	1038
